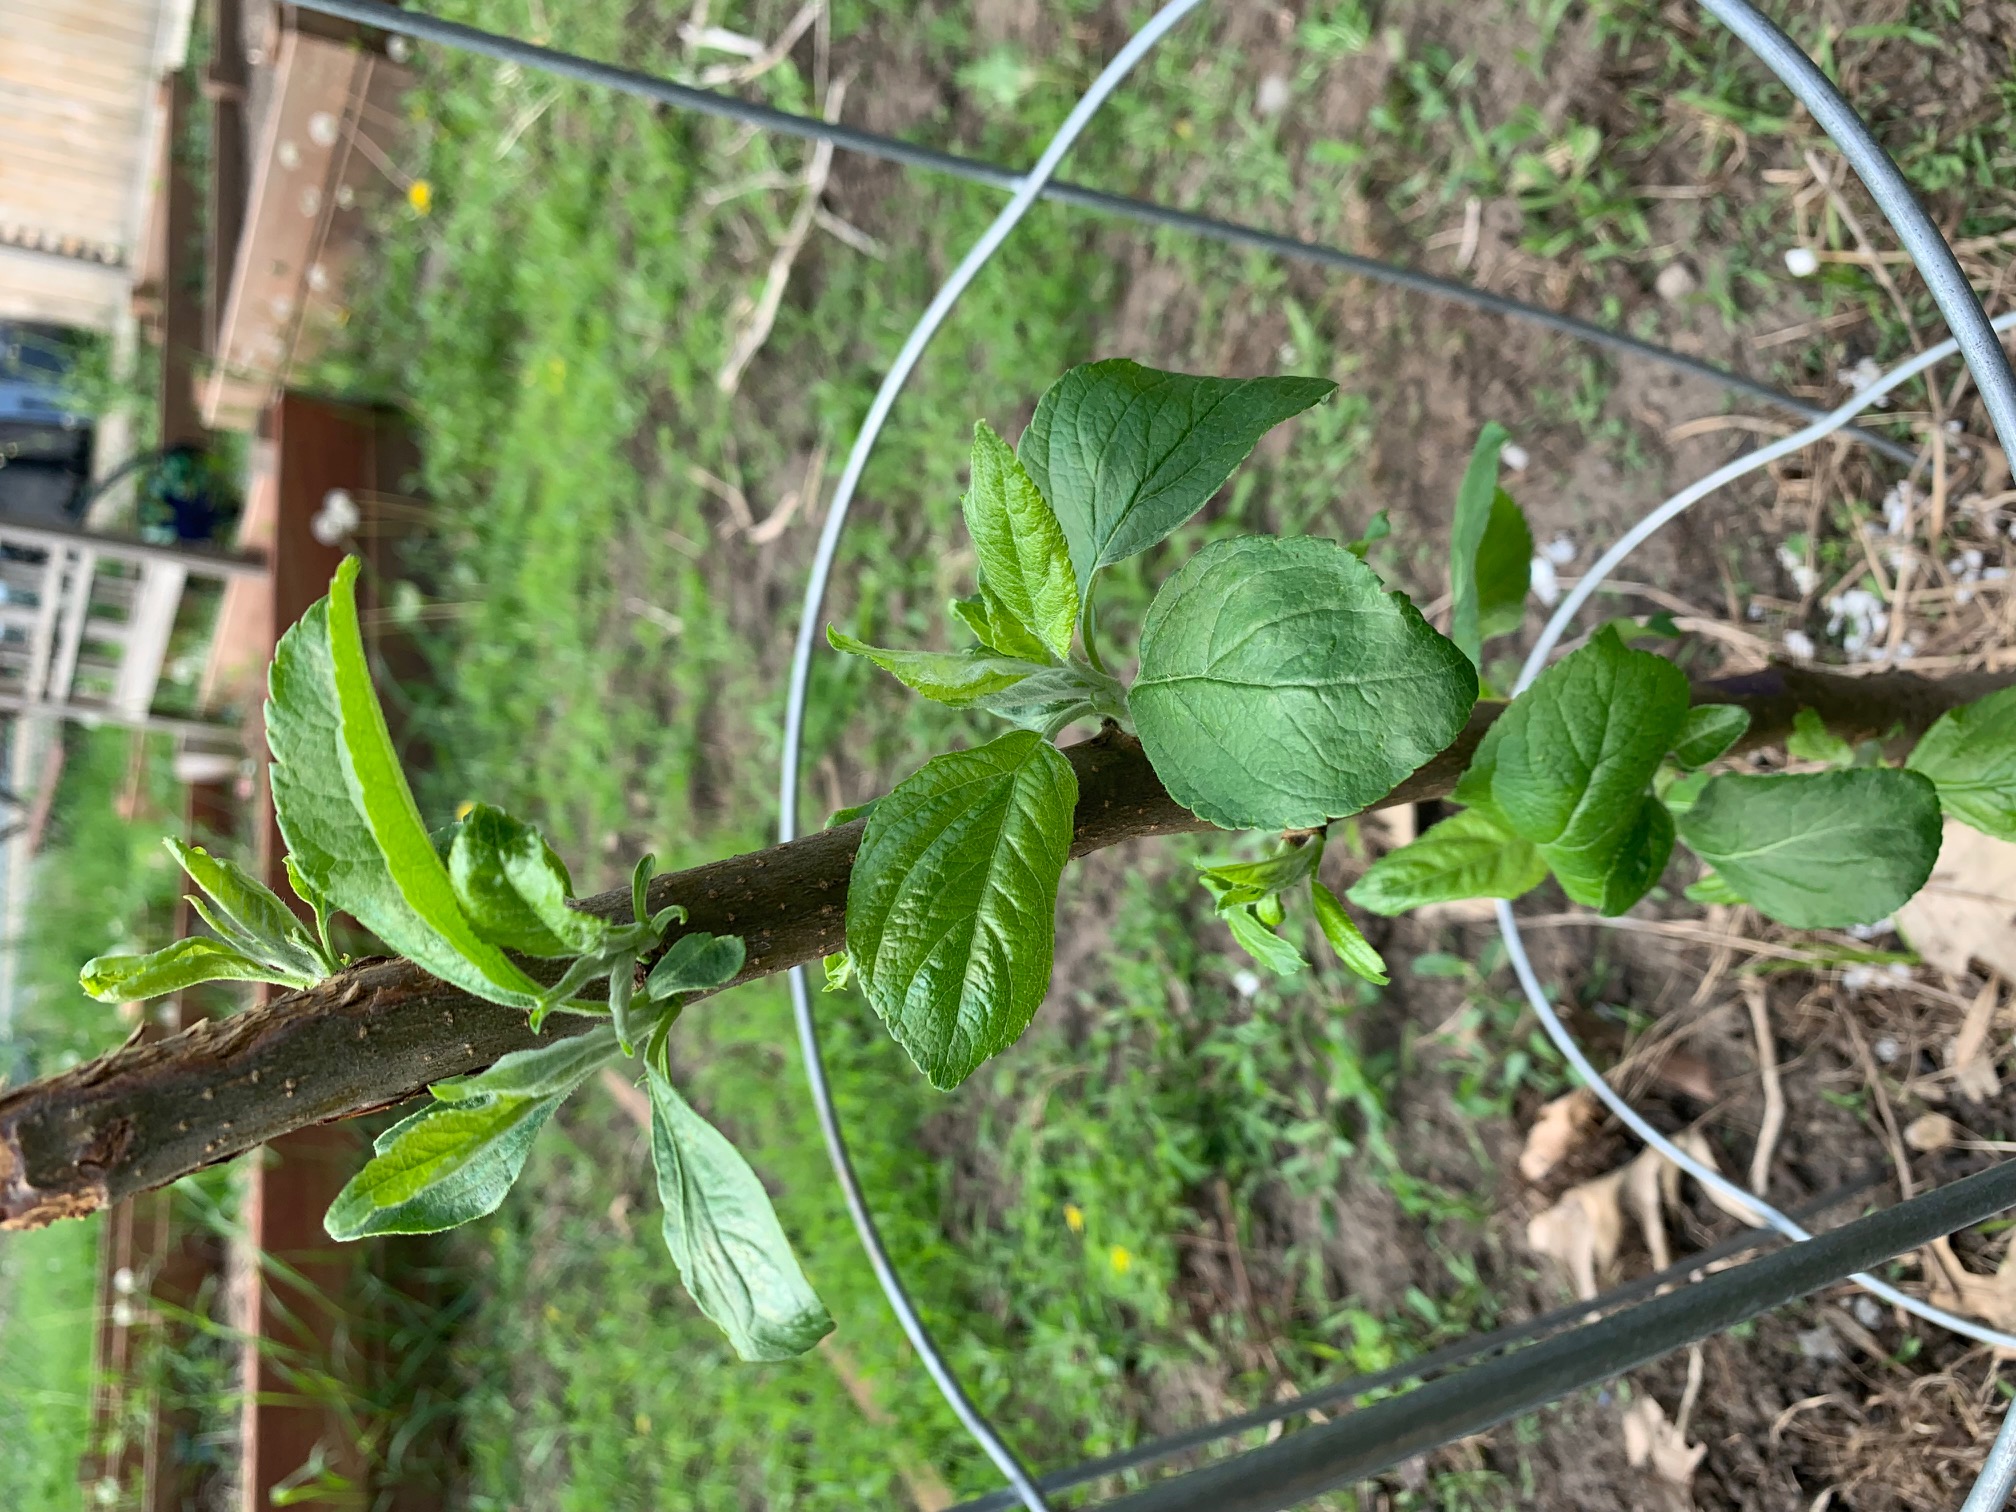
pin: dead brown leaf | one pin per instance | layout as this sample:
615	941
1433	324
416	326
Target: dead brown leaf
1649	1439
1930	1131
1559	1130
1581	1232
1992	1299
1970	1055
1967	911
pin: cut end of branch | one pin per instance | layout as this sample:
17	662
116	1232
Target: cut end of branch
23	1205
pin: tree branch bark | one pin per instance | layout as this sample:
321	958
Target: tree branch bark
378	1032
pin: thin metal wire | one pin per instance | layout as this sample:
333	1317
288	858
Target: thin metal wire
645	86
1998	1473
1934	260
1138	46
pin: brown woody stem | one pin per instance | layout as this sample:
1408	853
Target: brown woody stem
378	1032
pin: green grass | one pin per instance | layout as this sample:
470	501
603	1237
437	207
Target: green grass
102	883
47	1291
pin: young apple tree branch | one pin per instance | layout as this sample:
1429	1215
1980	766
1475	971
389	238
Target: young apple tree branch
380	1031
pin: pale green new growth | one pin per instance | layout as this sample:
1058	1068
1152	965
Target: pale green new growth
725	1238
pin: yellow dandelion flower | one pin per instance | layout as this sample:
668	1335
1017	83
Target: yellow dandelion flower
420	195
1121	1259
643	1422
465	808
1074	1217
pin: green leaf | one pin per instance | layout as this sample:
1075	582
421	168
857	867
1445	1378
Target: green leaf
1467	855
1474	498
849	815
1046	701
725	1238
1970	755
250	915
186	963
1714	888
1819	850
1261	943
1282	686
998	630
958	678
1376	530
1249	881
839	971
1710	730
514	890
1636	861
552	1070
1573	757
1024	560
1341	930
1504	568
951	912
348	817
1125	454
695	963
1811	740
447	1165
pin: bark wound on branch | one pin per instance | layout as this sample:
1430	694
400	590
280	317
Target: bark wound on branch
380	1031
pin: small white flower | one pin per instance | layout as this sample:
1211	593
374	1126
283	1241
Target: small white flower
1545	582
123	1314
1515	457
123	1282
1560	551
1801	262
1897	507
1887	1049
1858	978
1799	645
1871	931
337	518
1245	983
1804	578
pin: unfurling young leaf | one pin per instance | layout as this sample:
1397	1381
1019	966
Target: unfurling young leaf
839	971
1260	942
1341	930
351	826
998	630
1970	755
1818	850
1024	560
1811	740
695	963
1570	763
1376	530
455	1160
951	908
1709	732
544	1071
1282	686
186	963
1125	454
1490	552
514	889
445	1166
1467	855
724	1236
959	679
250	916
850	814
1232	882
